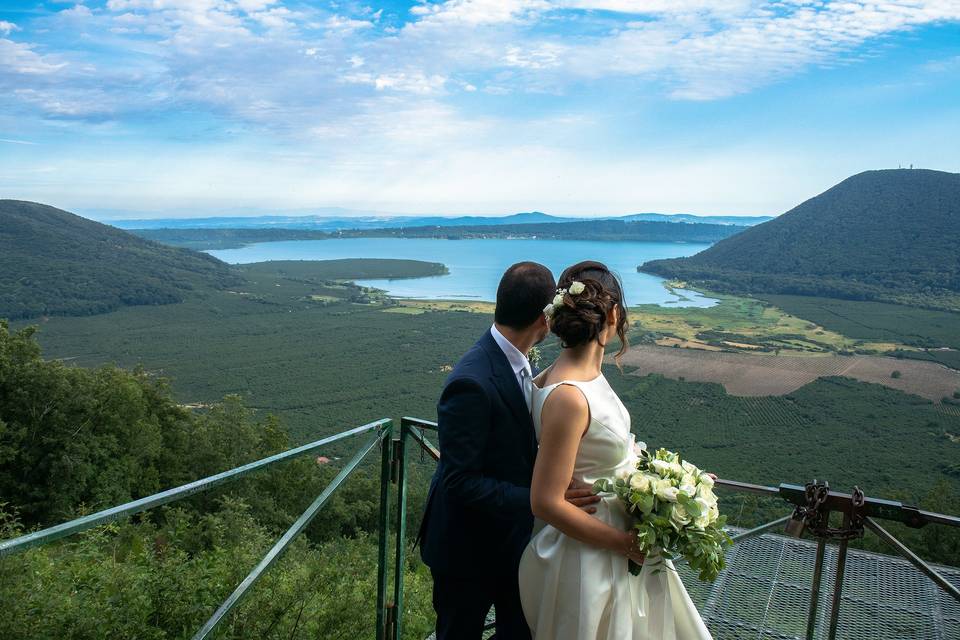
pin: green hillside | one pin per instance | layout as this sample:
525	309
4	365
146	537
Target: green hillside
56	263
890	235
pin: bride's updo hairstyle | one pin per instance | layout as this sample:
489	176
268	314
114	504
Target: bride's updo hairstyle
582	316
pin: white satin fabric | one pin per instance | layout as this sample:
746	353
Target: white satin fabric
573	591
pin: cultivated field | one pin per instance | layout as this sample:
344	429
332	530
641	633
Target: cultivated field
745	374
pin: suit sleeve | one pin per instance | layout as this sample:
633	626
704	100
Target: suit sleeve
463	416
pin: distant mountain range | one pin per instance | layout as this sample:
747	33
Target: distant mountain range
204	239
890	235
53	262
343	223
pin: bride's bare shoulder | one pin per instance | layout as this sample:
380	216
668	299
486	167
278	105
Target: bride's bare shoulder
566	404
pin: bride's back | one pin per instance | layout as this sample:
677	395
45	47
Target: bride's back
607	445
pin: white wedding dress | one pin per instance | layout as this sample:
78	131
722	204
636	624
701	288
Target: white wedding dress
574	591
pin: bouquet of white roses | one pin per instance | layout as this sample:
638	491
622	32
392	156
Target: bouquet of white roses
676	511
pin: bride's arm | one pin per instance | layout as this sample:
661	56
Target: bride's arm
564	420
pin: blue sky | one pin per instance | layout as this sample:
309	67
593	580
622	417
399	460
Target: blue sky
153	107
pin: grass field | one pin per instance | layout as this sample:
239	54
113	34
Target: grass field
876	321
746	324
425	306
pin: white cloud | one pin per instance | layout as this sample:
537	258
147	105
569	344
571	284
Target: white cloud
658	6
477	12
7	27
344	24
17	58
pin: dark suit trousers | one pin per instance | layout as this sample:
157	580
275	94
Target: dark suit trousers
462	604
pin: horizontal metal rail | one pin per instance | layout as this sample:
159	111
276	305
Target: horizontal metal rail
284	542
420	422
736	485
872	507
21	543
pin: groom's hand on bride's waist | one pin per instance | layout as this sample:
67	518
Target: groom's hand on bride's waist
581	495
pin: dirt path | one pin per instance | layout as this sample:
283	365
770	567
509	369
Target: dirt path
744	374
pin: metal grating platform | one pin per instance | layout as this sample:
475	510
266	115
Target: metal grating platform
764	592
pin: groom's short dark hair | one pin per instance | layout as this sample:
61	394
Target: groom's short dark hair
525	289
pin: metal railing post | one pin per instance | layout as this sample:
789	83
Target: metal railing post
838	581
401	541
386	456
815	587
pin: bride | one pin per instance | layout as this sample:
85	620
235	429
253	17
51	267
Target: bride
574	582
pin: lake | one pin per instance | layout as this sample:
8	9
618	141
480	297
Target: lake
476	265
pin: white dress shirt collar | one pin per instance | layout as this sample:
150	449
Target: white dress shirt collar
518	361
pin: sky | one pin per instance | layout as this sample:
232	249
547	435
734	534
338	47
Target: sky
143	108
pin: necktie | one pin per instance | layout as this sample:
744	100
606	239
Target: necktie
526	385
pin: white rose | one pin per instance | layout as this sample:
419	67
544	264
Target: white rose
576	288
689	468
676	470
640	482
666	491
704	505
702	522
558	300
707	496
662	467
688	490
706	481
679	516
713	514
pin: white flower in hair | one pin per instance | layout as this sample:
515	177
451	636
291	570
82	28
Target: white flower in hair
558	300
576	288
548	310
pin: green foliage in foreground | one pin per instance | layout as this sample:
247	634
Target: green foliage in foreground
75	440
158	581
55	263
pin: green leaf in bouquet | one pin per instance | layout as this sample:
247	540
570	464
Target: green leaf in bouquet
693	509
645	503
602	486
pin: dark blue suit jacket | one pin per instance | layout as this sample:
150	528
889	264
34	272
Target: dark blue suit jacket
478	518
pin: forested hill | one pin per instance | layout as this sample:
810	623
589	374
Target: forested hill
883	235
53	262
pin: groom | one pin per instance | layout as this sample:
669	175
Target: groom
478	519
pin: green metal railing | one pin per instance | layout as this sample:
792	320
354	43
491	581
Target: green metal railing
381	435
858	512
